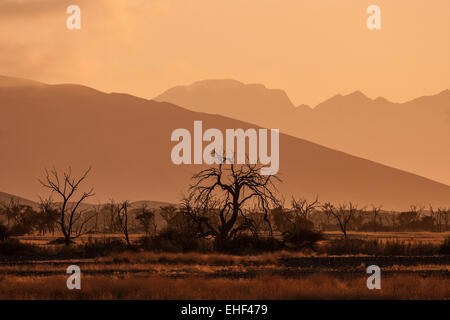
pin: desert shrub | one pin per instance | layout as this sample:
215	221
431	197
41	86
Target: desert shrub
99	247
91	249
246	244
3	233
303	239
445	247
351	246
20	230
175	240
17	229
68	252
380	248
60	241
407	248
13	247
287	222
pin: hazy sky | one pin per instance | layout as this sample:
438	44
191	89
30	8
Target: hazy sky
312	49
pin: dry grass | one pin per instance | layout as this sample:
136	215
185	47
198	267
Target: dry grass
269	287
201	258
422	236
435	237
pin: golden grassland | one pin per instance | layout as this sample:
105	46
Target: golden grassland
315	286
275	275
415	236
213	270
418	236
279	275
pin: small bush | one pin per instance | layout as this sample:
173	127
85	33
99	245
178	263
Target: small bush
380	248
3	233
303	239
246	244
13	247
445	247
61	241
173	240
94	248
351	246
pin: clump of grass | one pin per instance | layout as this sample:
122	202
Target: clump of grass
13	247
174	258
172	240
317	286
196	258
380	248
445	247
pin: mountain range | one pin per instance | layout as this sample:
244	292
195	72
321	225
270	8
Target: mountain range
126	141
413	136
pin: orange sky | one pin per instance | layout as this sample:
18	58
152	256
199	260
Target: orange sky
312	49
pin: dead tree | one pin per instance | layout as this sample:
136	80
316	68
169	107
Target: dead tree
168	213
409	220
343	214
120	213
48	216
21	219
391	220
297	219
440	217
146	217
11	210
303	208
447	214
219	195
375	212
72	222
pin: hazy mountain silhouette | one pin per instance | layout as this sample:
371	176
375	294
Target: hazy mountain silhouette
6	198
126	140
253	103
8	82
413	136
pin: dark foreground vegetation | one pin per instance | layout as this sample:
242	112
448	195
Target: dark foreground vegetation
317	286
14	249
229	209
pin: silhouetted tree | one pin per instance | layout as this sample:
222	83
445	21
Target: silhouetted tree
219	195
343	214
72	220
297	219
440	217
410	220
375	213
304	208
177	219
146	217
120	214
48	216
168	213
20	219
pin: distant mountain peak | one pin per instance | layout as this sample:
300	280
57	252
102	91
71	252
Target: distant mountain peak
356	98
220	84
11	82
245	101
357	94
88	135
304	107
382	100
